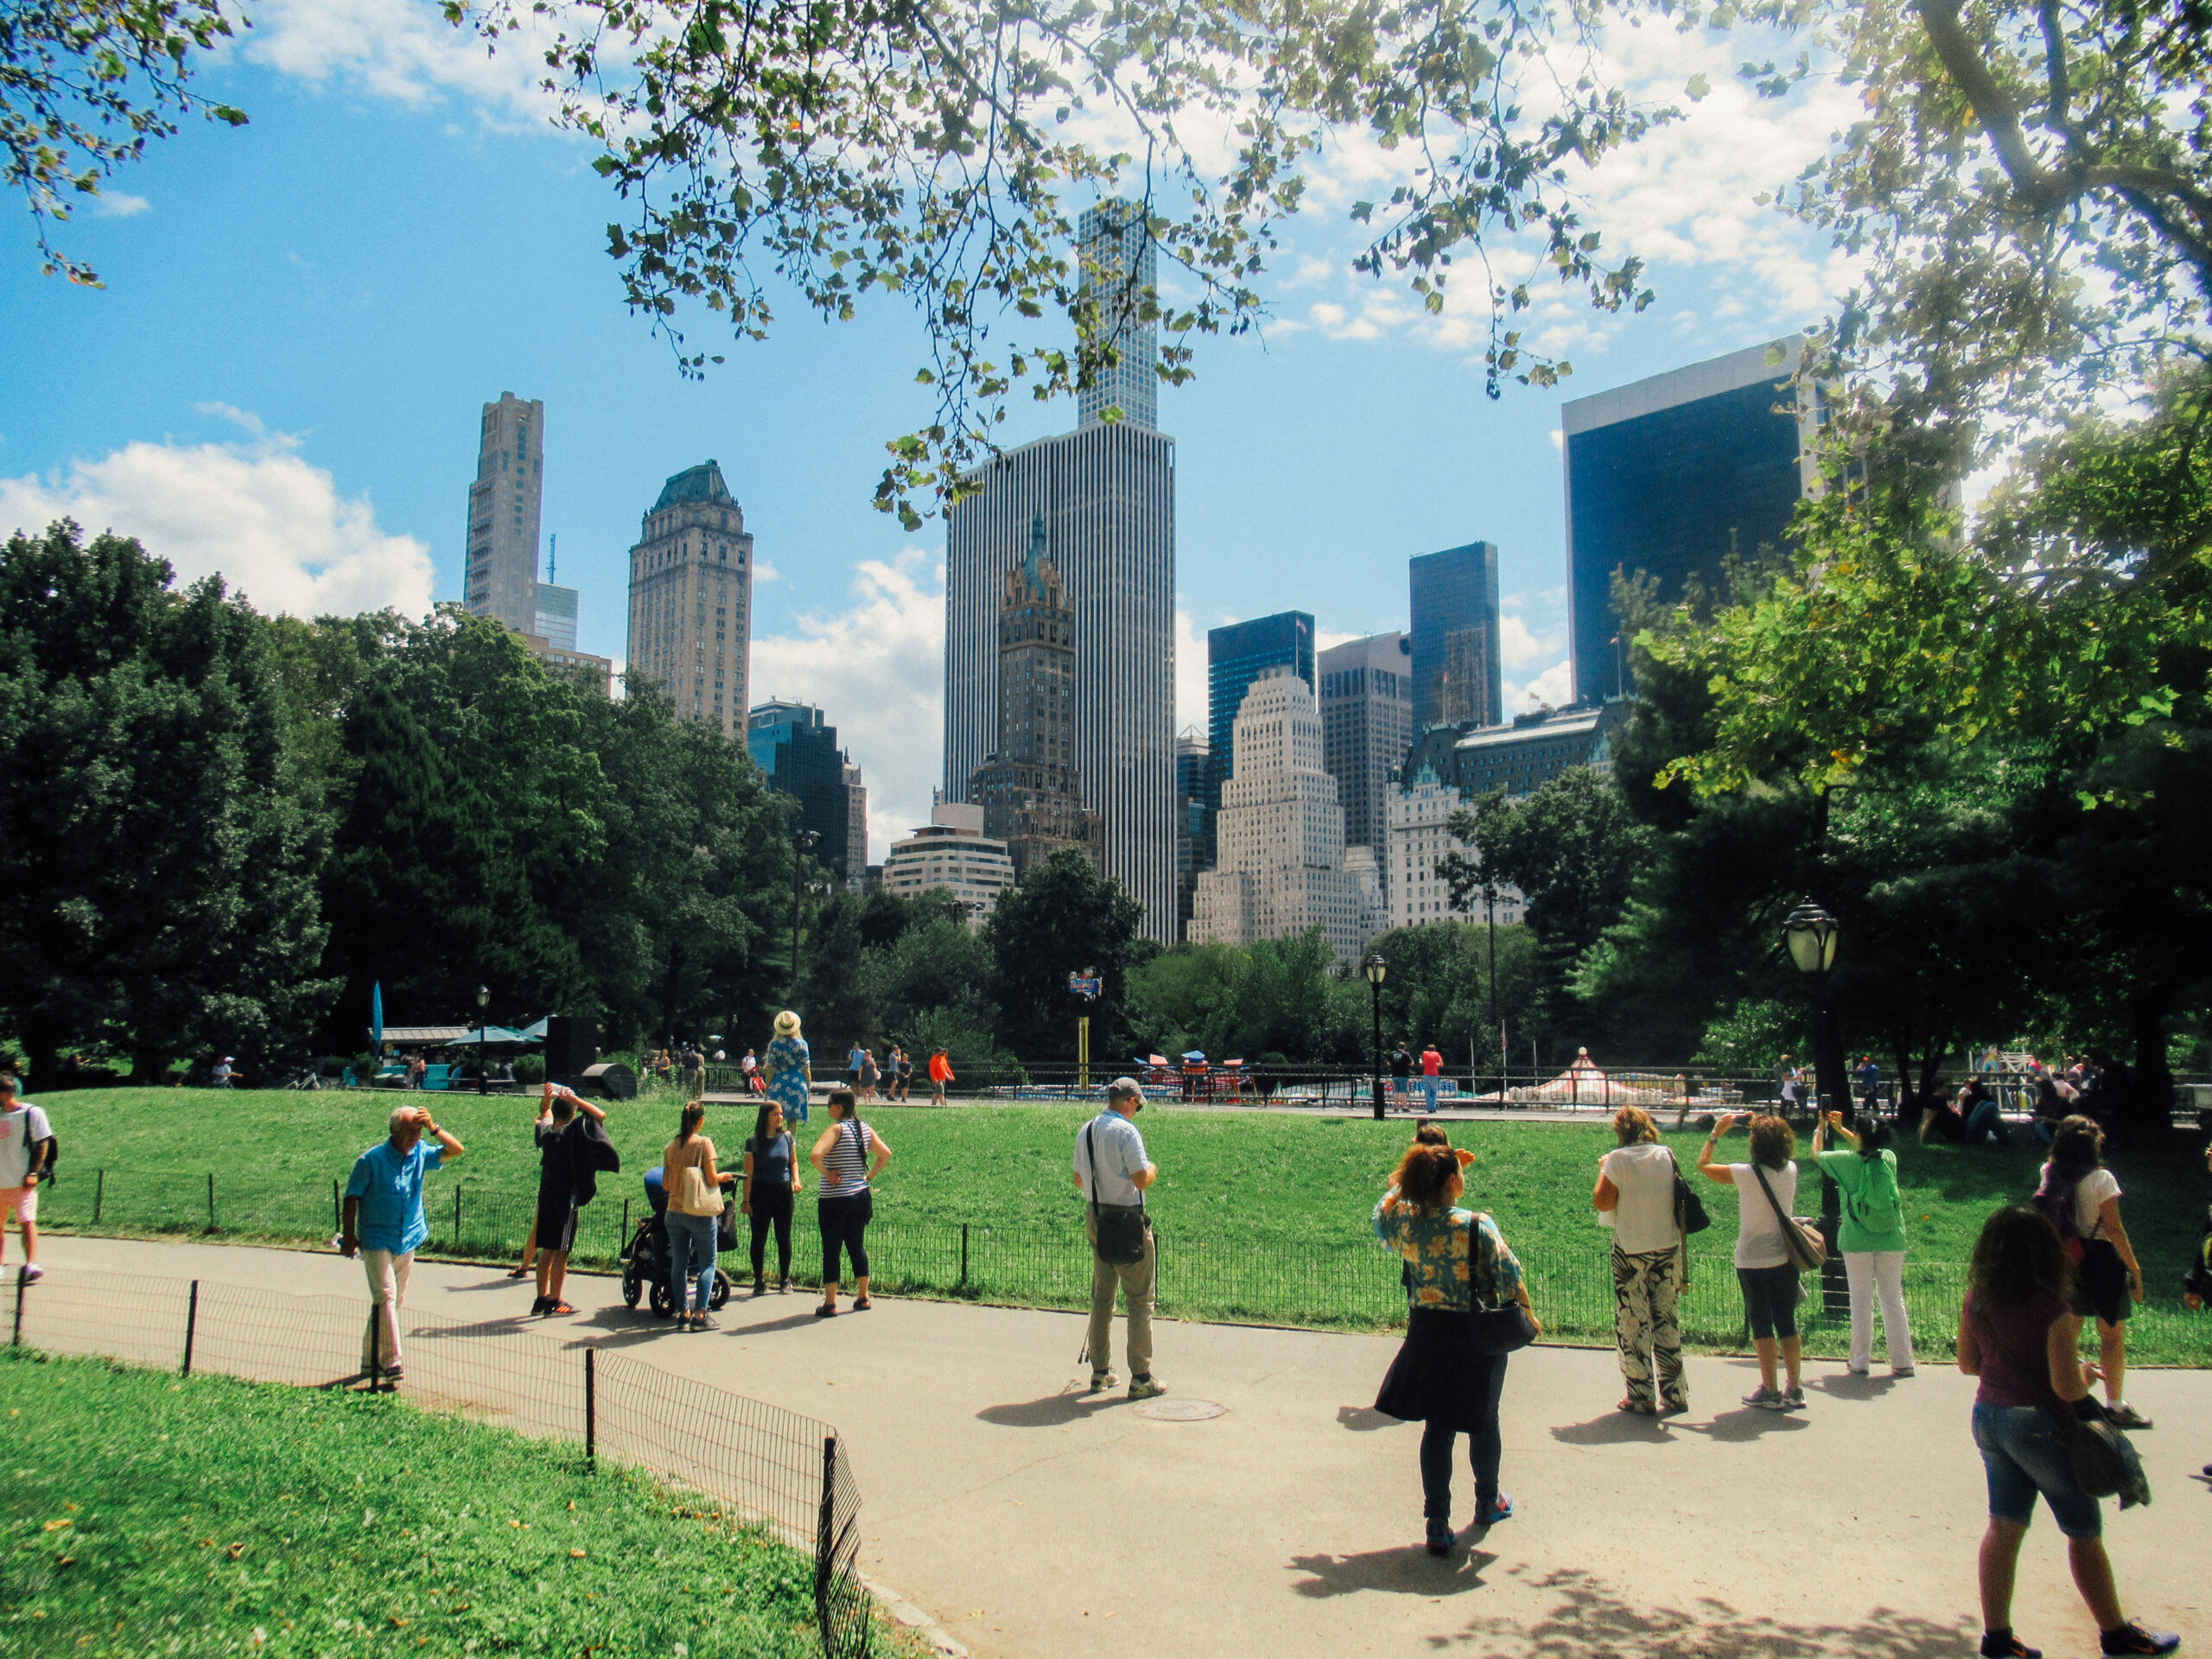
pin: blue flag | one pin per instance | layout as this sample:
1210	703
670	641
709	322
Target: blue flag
376	1016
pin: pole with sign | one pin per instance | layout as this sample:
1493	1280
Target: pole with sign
1087	986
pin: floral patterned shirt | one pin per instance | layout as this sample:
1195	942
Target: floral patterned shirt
1435	1245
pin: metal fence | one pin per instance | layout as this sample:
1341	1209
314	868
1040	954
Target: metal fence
755	1464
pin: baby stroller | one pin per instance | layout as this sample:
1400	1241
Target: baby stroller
646	1254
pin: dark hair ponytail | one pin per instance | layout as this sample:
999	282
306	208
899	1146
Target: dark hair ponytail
695	1113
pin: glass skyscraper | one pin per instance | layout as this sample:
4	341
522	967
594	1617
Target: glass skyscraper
1459	676
1668	476
789	741
1116	245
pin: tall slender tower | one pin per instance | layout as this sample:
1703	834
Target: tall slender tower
691	598
1367	725
503	503
1106	493
1121	264
1030	795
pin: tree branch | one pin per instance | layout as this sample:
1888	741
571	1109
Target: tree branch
1993	107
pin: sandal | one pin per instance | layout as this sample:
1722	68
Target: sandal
519	1273
825	1310
559	1307
861	1305
1638	1408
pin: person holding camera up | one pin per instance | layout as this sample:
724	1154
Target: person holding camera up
1872	1236
1765	1188
1112	1173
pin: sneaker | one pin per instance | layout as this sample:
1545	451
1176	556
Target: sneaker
1763	1399
1857	1370
1498	1509
2131	1638
32	1273
705	1322
540	1305
1101	1381
1903	1370
1144	1388
1794	1400
2003	1644
2122	1416
1441	1535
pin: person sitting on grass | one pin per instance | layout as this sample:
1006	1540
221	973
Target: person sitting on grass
2019	1340
1764	1269
383	1223
25	1139
1970	1119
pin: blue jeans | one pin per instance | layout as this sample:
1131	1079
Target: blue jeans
1428	1086
691	1244
2021	1455
1985	1119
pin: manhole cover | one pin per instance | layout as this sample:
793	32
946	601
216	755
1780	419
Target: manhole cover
1180	1411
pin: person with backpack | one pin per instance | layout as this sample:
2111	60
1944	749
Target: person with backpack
26	1158
1872	1236
847	1201
2018	1340
2080	1198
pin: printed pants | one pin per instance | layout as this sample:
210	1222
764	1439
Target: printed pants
1645	1327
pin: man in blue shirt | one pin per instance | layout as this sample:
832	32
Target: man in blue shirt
384	1226
1111	1170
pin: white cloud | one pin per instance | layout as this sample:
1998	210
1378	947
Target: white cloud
405	51
764	571
1328	639
273	527
1554	686
1519	644
1190	674
119	203
877	671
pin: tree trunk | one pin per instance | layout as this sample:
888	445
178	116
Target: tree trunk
2145	1110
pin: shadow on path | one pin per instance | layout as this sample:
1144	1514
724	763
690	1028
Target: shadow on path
1745	1424
1410	1571
1842	1385
1614	1428
1364	1419
1590	1620
1050	1412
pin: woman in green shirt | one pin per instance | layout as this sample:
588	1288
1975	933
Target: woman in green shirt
1872	1236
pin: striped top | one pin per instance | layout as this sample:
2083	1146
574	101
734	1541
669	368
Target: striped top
844	1171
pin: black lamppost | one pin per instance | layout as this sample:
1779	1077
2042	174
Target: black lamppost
483	1070
802	843
1374	968
1811	934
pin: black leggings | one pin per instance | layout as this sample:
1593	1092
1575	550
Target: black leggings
772	1203
844	1227
1485	1446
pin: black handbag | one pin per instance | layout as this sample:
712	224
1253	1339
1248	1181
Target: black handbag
1689	1209
1117	1230
2105	1460
1498	1327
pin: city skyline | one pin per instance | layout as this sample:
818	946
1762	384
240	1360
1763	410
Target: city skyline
313	433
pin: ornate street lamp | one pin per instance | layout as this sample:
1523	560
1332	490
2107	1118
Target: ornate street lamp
1810	935
483	1070
803	842
1375	970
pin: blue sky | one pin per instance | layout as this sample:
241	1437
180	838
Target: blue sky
283	376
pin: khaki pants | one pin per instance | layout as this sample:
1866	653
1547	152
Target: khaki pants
387	1272
1134	1283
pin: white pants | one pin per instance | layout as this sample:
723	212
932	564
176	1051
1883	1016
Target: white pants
1867	1272
387	1271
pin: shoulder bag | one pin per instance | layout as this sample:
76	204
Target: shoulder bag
1801	1239
1689	1209
2105	1460
694	1196
1499	1327
1119	1229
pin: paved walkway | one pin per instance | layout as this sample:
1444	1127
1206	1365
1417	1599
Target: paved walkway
1032	1520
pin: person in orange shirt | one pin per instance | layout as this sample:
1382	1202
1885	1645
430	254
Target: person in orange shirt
1432	1072
940	1074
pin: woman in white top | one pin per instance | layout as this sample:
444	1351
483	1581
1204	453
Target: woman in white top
1762	1264
2081	1197
1636	1198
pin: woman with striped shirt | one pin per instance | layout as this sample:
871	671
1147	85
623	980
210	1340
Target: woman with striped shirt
847	1203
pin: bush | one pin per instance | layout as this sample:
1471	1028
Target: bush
529	1069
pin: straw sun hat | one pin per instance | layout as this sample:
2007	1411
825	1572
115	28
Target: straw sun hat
787	1024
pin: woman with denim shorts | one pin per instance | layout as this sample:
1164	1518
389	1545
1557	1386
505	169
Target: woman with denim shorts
2018	1335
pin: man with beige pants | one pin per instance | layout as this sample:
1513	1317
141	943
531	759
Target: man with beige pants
1112	1173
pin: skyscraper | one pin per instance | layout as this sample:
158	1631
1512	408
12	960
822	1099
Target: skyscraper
1030	795
1122	266
1280	835
503	503
1191	766
1459	675
1237	653
1367	725
1668	476
790	742
691	599
856	827
1106	493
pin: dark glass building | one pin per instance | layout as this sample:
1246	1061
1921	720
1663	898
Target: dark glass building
1669	476
789	743
1236	655
1458	676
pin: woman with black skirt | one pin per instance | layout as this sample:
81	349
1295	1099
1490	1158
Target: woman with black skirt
1439	1378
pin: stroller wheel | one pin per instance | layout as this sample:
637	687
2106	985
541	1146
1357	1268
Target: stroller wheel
632	1287
662	1304
718	1298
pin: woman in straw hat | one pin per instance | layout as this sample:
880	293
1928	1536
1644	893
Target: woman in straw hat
790	1068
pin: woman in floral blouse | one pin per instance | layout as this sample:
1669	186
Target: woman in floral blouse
1439	1378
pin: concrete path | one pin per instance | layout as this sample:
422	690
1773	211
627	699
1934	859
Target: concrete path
1034	1521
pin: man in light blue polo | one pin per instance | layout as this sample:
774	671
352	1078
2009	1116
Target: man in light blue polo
1112	1173
384	1226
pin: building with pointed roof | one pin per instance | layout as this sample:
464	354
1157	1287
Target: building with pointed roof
691	599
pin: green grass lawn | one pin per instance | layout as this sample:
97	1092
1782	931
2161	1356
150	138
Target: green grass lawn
142	1514
1262	1215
